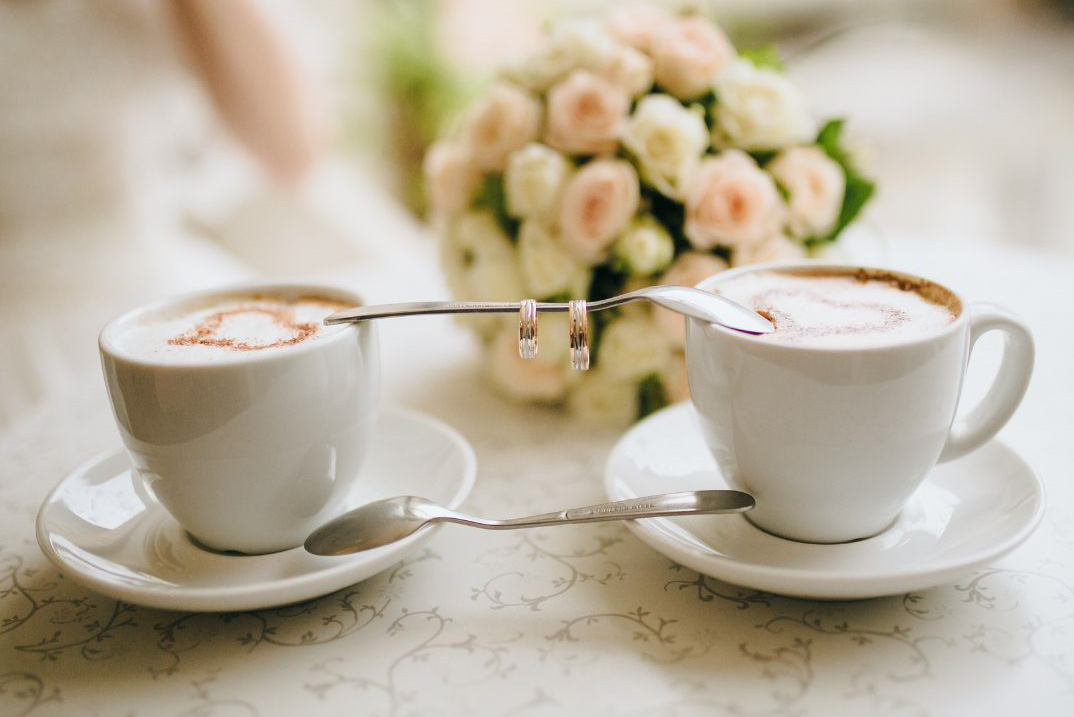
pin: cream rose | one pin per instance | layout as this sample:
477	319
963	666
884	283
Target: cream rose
815	183
758	108
585	112
638	23
731	202
667	139
630	70
480	264
548	268
598	202
688	53
450	177
524	380
505	120
601	400
631	348
533	181
571	45
689	269
645	247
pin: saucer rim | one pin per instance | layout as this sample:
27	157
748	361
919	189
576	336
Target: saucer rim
254	596
659	534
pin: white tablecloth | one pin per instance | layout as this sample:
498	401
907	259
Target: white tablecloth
583	620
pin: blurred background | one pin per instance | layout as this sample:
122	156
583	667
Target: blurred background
153	146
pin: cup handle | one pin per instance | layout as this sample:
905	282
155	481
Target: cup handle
996	408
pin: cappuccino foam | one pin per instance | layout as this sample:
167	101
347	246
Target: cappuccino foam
229	326
843	309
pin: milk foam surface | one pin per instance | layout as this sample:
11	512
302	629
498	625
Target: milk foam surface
229	327
843	310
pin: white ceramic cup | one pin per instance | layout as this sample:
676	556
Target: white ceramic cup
833	441
249	454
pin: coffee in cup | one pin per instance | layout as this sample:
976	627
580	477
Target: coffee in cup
835	418
243	414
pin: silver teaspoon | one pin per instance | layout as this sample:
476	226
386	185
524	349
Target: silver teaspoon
700	304
386	521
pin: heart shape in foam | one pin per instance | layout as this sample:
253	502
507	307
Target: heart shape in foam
211	330
803	310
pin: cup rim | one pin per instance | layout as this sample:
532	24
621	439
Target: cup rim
955	326
109	346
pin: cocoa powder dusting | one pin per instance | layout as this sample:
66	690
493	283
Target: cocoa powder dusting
204	334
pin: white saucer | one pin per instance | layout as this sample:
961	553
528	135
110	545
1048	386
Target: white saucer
966	514
103	532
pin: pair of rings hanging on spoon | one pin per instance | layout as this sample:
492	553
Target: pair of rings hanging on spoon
578	326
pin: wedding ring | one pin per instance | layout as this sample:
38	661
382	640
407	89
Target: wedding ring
527	329
579	328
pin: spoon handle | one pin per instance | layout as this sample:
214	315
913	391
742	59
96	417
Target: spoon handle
420	308
686	503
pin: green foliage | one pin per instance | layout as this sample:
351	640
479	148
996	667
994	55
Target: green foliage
492	197
765	56
858	187
652	396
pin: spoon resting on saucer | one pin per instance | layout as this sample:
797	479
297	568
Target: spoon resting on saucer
697	303
386	521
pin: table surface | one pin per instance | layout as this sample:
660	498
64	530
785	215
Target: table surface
559	621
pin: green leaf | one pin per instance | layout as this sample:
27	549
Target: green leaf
651	396
765	56
493	198
859	188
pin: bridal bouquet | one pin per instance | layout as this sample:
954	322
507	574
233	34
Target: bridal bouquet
636	150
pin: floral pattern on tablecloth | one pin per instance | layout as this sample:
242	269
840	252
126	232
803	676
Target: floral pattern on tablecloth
574	620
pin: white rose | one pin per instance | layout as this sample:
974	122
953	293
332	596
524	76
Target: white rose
450	177
572	45
815	183
601	400
632	348
689	269
667	138
758	108
520	379
506	119
645	247
480	264
548	269
534	179
778	248
630	70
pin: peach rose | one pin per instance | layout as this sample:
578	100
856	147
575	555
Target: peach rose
584	114
505	120
815	183
689	269
520	379
732	202
778	248
598	203
637	23
687	54
450	177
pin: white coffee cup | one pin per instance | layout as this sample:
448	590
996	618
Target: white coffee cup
251	453
833	441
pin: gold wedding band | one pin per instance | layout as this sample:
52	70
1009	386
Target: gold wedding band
579	334
527	329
